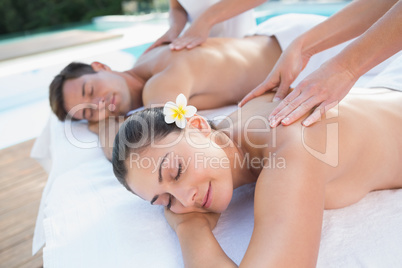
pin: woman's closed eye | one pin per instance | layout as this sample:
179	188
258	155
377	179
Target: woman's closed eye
179	171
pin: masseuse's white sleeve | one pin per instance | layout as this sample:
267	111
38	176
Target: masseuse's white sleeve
236	27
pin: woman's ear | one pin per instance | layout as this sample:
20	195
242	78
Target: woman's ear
200	123
97	66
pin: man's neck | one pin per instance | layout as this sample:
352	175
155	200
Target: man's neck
135	85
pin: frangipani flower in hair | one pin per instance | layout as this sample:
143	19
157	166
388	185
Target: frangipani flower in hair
179	111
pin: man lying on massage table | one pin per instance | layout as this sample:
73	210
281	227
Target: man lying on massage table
218	73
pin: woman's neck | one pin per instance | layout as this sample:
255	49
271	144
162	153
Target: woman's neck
241	175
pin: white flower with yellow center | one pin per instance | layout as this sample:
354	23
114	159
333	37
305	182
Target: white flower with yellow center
179	111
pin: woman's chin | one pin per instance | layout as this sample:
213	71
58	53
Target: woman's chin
224	203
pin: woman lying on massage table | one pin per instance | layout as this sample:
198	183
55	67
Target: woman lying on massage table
298	171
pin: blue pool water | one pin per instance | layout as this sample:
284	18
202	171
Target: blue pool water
272	9
137	50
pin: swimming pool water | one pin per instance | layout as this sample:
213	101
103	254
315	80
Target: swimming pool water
272	9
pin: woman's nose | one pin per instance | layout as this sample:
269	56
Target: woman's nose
187	196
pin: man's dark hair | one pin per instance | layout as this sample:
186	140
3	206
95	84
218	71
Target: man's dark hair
71	71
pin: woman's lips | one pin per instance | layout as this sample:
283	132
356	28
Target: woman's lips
208	198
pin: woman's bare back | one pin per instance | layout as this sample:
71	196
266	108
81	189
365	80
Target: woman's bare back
356	146
370	145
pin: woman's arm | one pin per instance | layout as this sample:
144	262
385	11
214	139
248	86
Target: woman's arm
223	10
288	213
198	244
177	21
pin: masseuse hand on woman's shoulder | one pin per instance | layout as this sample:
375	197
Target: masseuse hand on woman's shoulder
376	22
322	89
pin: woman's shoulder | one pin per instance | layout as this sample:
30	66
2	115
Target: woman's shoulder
250	121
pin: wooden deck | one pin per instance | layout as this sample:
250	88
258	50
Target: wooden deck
22	180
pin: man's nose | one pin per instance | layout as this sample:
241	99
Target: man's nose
99	102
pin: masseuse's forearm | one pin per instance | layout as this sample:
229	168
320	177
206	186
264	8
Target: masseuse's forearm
177	16
381	41
347	24
226	9
200	248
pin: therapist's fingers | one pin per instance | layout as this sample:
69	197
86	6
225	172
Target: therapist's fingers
186	42
194	43
301	110
314	117
179	43
283	89
252	94
288	103
157	43
265	86
318	112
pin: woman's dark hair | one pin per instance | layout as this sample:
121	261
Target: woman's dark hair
56	99
135	135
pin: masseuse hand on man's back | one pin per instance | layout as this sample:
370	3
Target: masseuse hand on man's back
322	89
195	35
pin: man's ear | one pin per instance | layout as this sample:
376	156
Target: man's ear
97	66
199	123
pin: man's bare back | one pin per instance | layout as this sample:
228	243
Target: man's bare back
218	73
356	148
